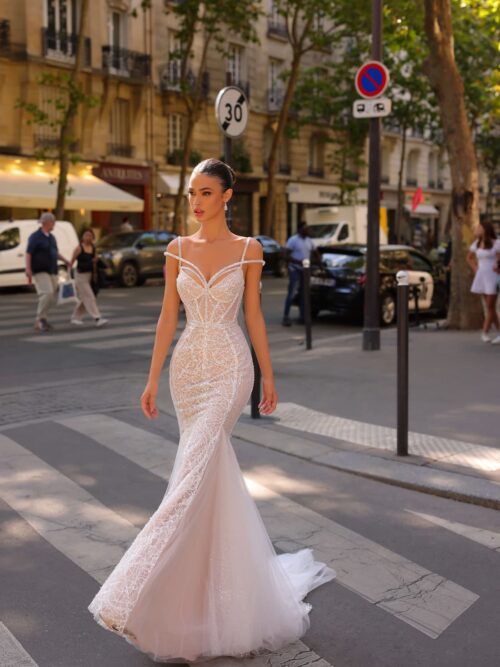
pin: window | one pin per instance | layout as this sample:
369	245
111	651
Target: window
385	164
432	169
9	239
175	132
235	63
60	23
174	61
412	168
316	156
344	233
120	128
49	99
117	30
419	263
275	88
147	240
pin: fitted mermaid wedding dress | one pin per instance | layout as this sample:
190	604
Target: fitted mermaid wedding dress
202	578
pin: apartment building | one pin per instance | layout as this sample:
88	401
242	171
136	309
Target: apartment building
131	142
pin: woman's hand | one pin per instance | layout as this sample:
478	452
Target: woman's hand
270	398
148	401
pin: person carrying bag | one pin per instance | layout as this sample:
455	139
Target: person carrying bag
86	280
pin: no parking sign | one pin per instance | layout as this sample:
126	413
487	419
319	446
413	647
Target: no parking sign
372	79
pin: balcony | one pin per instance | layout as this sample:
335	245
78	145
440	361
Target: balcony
277	28
121	150
274	99
52	142
62	46
432	183
411	182
318	172
440	185
284	168
170	79
8	49
123	62
384	179
4	35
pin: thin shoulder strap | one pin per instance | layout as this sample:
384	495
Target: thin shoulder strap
180	251
245	249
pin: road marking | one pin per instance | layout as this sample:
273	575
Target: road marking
296	654
68	517
433	447
120	343
426	601
12	654
487	538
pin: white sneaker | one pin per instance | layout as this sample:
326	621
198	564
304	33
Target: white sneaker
76	321
496	340
101	322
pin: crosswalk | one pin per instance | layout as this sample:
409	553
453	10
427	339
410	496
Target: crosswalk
94	536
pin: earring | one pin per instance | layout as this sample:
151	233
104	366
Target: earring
225	205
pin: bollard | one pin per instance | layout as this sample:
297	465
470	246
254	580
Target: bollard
402	352
306	286
255	396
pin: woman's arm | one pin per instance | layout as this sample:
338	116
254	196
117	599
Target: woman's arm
257	327
165	332
471	260
76	252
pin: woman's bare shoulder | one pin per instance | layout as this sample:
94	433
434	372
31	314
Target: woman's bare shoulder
254	250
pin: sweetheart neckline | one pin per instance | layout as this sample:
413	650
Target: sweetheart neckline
208	283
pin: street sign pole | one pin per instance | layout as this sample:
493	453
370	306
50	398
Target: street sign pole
371	327
228	158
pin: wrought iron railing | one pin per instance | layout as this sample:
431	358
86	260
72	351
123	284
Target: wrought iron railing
170	79
274	99
412	182
277	28
121	150
126	63
62	44
319	172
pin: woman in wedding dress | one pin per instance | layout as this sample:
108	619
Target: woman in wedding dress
202	578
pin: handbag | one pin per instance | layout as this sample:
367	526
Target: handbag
67	292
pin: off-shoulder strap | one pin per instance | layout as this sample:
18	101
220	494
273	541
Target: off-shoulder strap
247	241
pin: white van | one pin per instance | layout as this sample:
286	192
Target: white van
14	235
336	225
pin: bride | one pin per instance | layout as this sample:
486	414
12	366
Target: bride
202	578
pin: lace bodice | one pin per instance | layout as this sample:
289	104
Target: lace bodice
214	302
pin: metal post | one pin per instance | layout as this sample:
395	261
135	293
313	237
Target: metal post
371	329
402	305
306	287
228	158
255	396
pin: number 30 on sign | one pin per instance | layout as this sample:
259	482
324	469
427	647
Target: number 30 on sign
231	111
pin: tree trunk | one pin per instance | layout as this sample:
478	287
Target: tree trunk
69	117
179	222
465	309
400	196
268	226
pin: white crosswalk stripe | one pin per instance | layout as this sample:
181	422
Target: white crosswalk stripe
380	576
12	654
301	418
487	538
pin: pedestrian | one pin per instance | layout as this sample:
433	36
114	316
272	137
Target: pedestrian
85	277
41	268
483	258
298	247
126	225
202	579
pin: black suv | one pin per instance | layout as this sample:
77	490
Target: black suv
338	286
132	257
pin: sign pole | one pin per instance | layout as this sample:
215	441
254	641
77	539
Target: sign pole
371	328
228	158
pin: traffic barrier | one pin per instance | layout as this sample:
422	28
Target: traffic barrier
403	292
306	286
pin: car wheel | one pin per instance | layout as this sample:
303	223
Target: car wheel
129	275
387	309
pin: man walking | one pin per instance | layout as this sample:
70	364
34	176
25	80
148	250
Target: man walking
41	268
298	247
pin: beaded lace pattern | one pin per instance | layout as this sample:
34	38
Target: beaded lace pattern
209	390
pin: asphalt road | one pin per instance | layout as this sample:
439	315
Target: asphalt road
417	576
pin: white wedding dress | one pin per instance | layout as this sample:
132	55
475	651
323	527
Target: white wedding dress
202	578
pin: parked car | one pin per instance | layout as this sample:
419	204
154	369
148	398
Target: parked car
338	286
14	235
132	257
273	255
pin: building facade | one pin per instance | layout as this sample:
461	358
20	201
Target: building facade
132	140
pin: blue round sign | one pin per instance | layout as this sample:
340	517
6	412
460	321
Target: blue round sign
371	79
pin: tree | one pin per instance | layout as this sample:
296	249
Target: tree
441	68
69	97
308	27
211	21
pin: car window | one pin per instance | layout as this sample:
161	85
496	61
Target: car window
395	260
344	233
341	261
148	239
117	241
320	231
163	238
9	238
419	263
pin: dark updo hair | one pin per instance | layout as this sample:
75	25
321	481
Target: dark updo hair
219	169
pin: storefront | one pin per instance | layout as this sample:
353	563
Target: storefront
28	187
302	196
136	181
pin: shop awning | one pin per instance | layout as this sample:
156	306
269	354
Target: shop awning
29	189
422	211
169	183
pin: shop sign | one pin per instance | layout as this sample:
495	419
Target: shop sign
123	174
310	193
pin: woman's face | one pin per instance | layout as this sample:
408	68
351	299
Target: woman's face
88	238
206	196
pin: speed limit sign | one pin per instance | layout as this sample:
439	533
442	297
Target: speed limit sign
231	111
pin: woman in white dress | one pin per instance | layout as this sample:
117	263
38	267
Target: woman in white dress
483	257
202	578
